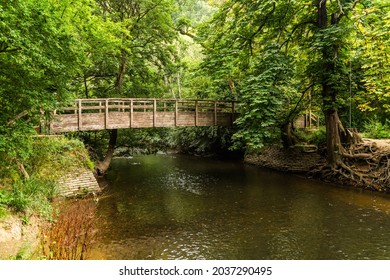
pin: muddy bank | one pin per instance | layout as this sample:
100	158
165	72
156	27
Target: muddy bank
365	166
18	237
294	159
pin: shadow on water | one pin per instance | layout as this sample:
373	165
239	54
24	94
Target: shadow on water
181	207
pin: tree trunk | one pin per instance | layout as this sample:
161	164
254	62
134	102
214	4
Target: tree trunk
289	138
333	142
329	93
102	167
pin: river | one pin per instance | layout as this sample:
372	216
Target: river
183	207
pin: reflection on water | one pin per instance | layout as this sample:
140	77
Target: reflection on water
179	207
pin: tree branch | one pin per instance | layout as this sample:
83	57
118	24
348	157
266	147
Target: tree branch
292	112
6	49
295	29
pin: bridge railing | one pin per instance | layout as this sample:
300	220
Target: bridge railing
97	114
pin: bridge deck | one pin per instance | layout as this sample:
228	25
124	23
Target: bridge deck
100	114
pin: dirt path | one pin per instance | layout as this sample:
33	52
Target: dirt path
383	144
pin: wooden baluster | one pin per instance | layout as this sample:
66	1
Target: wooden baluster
154	112
215	113
233	111
106	114
79	114
196	112
131	113
176	112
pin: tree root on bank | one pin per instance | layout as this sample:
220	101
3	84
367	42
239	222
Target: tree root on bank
363	165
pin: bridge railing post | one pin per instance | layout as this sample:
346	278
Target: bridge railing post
131	113
154	112
106	113
176	111
215	113
233	112
196	112
79	119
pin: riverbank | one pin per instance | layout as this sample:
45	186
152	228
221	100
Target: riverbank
57	169
18	237
294	159
311	163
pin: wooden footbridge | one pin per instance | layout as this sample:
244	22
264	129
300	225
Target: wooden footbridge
114	113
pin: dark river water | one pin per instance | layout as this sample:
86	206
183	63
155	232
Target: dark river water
182	207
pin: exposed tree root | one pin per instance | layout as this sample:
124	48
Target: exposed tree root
363	165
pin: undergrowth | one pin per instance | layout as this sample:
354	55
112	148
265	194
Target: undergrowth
32	192
375	129
314	137
72	233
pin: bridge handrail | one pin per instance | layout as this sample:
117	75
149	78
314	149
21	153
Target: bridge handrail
148	103
98	113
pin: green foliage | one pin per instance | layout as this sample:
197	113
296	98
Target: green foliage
373	48
315	137
50	158
31	196
203	140
263	93
143	59
375	129
324	43
53	156
44	47
152	139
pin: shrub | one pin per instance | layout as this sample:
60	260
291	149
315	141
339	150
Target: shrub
315	137
375	129
32	196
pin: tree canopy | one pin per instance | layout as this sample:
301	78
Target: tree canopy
278	58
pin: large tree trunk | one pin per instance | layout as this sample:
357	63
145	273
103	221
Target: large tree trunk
333	139
102	167
329	94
